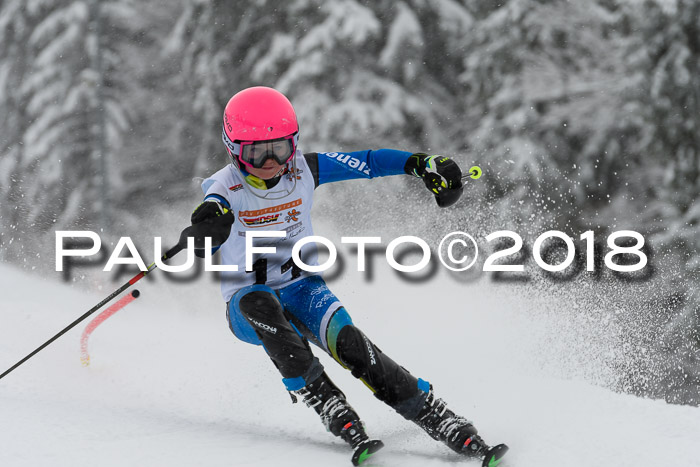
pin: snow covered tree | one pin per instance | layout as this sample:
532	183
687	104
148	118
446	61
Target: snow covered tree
664	64
368	73
14	31
56	96
586	114
544	81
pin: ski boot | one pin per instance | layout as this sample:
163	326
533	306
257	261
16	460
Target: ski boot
339	417
456	432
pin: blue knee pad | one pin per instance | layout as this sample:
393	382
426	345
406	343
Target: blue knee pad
240	326
313	305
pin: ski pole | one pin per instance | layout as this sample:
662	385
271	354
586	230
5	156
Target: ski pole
169	254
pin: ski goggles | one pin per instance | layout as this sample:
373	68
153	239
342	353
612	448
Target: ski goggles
255	153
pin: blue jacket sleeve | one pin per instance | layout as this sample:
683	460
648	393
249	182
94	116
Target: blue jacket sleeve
337	166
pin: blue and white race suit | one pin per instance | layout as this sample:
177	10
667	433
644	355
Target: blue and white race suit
312	310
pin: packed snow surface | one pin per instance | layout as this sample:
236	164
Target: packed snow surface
169	385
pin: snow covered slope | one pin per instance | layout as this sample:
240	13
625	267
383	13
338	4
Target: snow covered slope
169	385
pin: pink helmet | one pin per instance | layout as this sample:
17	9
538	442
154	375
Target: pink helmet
255	115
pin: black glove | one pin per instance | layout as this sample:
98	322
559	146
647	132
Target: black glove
441	175
207	209
209	219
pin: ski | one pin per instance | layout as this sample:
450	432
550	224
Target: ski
493	455
365	449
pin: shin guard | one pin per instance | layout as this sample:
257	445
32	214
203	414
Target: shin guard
289	351
390	382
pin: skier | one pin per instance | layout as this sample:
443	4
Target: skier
268	186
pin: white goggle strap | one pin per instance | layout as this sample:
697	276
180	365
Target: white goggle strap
235	148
